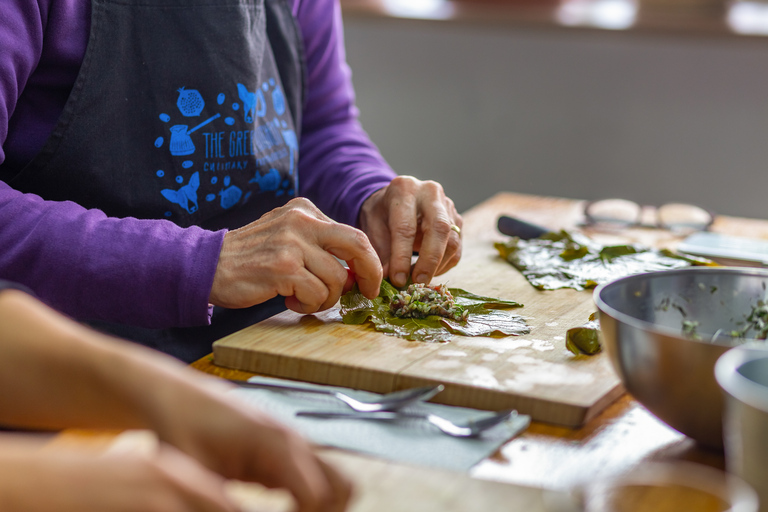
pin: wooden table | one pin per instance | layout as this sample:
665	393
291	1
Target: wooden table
624	435
545	456
620	437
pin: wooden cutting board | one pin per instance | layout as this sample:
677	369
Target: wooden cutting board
534	373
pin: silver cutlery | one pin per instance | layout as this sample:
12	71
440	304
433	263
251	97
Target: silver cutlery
388	402
470	428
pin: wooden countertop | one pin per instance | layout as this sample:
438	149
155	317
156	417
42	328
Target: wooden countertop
548	456
619	438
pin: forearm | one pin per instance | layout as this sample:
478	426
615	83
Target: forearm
65	375
339	166
21	463
149	273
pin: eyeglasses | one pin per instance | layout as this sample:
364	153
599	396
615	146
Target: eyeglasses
621	213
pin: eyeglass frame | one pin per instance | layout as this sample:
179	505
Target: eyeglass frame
591	221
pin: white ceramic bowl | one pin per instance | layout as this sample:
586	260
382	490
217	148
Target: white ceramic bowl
742	373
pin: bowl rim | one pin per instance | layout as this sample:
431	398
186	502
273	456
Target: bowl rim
732	489
603	307
735	383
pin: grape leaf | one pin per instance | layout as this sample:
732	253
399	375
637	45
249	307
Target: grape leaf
486	316
571	260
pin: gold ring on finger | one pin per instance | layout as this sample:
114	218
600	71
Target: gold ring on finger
456	228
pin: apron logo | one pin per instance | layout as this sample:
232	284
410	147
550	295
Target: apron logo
190	102
253	102
186	196
260	139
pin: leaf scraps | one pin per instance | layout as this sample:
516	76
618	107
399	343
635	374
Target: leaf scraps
571	260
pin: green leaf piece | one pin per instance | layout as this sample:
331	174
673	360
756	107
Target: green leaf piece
572	260
486	316
584	339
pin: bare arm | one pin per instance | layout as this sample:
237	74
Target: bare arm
65	375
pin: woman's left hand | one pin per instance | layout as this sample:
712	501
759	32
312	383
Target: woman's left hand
407	216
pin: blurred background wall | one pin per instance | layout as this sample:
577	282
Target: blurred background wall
574	113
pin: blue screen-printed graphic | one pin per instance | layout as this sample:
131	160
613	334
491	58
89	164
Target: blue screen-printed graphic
186	196
245	135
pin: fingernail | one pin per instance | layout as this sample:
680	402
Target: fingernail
400	278
422	278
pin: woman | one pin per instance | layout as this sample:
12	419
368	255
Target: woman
155	151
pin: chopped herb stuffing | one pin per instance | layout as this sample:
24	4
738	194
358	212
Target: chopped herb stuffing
440	314
754	325
423	300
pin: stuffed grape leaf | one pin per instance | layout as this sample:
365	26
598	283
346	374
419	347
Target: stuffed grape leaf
486	316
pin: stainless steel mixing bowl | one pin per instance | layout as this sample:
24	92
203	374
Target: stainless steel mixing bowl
671	374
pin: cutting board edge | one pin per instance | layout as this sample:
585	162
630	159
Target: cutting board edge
540	409
275	365
607	399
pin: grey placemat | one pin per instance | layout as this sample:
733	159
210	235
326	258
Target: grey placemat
410	441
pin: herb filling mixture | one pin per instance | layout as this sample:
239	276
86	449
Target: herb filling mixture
420	301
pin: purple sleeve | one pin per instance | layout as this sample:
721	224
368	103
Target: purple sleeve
143	272
339	167
149	273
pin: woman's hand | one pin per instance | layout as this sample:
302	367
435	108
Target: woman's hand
66	375
410	216
290	252
238	441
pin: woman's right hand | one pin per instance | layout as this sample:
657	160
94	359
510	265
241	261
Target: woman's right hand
290	252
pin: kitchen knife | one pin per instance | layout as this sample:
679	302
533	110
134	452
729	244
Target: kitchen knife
511	226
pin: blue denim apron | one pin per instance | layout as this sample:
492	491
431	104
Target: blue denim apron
185	110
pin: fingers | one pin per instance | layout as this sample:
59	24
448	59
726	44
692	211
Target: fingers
279	458
341	488
403	227
436	243
323	280
320	488
79	480
318	285
352	246
374	223
196	488
419	217
289	252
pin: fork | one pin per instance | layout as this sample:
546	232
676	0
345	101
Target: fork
388	402
472	428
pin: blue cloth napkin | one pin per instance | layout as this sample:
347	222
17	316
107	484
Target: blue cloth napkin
411	441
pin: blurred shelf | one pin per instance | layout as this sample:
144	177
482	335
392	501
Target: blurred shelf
738	19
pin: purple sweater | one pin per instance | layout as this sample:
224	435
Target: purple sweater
149	273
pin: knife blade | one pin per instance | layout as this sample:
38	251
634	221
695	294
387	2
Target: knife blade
511	226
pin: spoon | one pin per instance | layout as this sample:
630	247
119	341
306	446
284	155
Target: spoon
388	402
471	428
